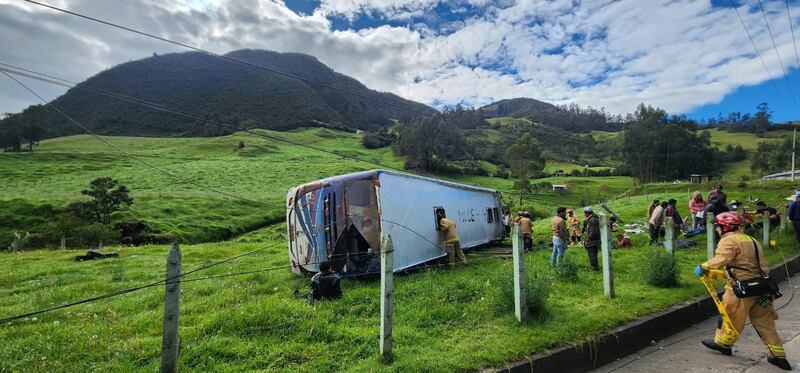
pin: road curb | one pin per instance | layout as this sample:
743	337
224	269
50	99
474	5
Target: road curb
632	336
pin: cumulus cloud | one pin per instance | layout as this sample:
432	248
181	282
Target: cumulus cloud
615	54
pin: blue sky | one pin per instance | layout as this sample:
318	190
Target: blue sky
686	56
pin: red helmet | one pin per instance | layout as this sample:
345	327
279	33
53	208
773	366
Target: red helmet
729	221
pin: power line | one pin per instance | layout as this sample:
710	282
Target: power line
791	27
229	58
130	290
777	53
758	52
119	149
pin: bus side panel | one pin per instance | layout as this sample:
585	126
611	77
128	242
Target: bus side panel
407	213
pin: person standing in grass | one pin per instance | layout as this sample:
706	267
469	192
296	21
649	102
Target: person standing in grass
560	236
656	220
652	207
507	222
672	212
574	227
591	236
697	207
451	242
525	224
719	194
794	215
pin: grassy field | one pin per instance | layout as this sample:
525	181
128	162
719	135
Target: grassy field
444	320
263	171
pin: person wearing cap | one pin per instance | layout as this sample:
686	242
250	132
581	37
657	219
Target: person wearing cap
574	227
591	236
743	258
794	216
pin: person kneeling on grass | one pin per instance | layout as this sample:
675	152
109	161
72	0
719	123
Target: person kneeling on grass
325	284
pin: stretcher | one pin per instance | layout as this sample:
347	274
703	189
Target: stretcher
718	274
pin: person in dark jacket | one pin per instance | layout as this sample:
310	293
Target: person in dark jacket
714	208
719	194
794	215
325	284
591	236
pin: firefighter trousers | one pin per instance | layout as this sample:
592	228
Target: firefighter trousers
454	249
763	320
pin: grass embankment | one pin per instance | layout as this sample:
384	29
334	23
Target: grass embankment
444	320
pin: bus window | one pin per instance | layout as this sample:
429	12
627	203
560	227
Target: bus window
496	214
489	215
438	210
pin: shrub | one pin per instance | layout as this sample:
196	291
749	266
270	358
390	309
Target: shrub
659	268
567	269
376	140
502	173
536	293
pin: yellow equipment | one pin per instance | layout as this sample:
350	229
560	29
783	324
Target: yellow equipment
718	274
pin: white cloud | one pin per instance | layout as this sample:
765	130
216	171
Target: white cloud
675	54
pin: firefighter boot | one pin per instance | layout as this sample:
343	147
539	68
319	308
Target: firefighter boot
780	363
714	346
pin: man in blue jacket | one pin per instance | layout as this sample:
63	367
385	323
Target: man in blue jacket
794	215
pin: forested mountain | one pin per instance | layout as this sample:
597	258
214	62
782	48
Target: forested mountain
571	118
219	90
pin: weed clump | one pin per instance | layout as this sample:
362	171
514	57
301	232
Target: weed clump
659	269
537	289
567	269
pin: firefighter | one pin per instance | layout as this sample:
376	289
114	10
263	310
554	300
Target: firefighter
737	251
451	242
525	224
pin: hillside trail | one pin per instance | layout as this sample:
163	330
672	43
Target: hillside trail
682	352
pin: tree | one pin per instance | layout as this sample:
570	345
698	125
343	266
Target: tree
428	143
658	147
9	139
525	161
761	121
770	158
32	134
107	195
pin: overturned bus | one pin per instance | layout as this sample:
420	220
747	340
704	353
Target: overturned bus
342	220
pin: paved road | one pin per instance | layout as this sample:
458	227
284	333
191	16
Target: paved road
683	352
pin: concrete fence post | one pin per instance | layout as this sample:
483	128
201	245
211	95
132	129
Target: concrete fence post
605	247
710	244
766	226
387	284
63	242
520	309
669	234
170	344
15	244
784	218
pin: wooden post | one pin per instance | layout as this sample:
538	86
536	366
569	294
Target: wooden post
520	309
765	239
784	217
710	244
605	247
387	283
669	234
170	344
